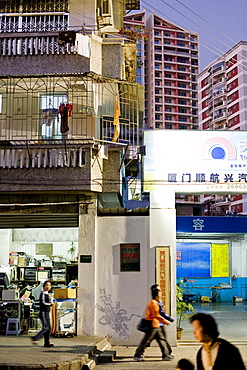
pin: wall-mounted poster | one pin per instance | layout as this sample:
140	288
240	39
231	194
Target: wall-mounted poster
130	257
193	260
44	249
220	260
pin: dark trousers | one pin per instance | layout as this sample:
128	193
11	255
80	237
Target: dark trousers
147	339
166	342
46	327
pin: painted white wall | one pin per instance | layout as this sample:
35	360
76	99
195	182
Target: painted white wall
163	233
87	271
121	297
6	239
239	252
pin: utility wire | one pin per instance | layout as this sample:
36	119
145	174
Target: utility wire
243	67
210	24
163	1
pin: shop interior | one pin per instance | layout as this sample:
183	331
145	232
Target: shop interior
28	258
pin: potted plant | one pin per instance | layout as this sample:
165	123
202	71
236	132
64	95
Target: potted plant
184	309
71	250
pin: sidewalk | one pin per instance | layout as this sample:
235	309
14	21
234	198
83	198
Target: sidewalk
18	353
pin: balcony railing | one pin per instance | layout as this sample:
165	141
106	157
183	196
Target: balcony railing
33	45
42	157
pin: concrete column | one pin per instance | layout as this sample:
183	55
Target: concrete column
87	271
163	233
6	245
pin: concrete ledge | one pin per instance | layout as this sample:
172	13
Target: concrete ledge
68	354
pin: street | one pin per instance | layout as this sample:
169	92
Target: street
124	359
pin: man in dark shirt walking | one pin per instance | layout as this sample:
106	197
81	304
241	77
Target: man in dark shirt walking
44	315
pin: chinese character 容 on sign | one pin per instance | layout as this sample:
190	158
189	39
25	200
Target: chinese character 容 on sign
198	224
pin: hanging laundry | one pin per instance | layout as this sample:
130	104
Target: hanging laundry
66	37
63	110
48	115
70	108
83	45
116	121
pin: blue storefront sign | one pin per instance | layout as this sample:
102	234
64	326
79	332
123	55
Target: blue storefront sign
187	224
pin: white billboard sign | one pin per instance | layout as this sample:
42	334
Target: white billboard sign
217	159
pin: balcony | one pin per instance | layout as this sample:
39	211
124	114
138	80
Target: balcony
30	155
29	166
33	44
220	116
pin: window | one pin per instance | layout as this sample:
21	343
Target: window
193	78
167	43
180	36
168	84
168	109
169	127
181	127
167	35
194	112
194	104
157	66
182	102
168	67
157	117
168	118
50	125
157	108
182	110
105	7
156	33
194	96
167	92
139	80
157	100
182	69
157	91
193	70
180	44
157	74
181	77
182	85
181	93
168	101
182	119
168	59
168	75
157	83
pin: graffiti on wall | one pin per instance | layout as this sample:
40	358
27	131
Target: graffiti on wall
113	315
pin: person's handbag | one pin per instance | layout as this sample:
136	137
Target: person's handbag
144	325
